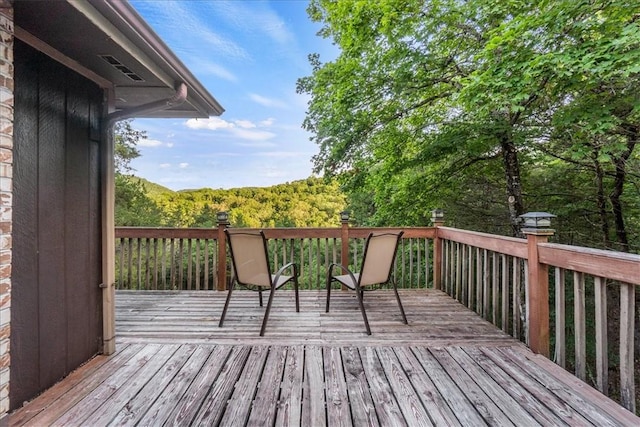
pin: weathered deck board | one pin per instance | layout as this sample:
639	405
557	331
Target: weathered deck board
326	372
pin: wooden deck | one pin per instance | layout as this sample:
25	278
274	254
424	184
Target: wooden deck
174	366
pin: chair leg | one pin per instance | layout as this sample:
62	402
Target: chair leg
395	289
266	312
329	282
226	304
364	313
260	296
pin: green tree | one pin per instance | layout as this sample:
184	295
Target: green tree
132	205
437	103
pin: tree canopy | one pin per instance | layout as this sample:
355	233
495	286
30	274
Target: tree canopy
487	109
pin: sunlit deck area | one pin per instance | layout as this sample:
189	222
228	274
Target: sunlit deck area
175	366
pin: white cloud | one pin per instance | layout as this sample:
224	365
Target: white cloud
165	165
189	28
256	19
241	129
252	135
267	102
247	124
203	67
150	143
183	165
282	154
268	122
212	123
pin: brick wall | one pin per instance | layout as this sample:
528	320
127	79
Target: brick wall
6	168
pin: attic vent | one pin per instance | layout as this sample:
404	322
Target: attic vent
122	68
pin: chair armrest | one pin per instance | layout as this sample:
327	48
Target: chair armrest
345	270
276	277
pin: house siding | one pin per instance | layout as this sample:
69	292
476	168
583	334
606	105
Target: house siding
6	188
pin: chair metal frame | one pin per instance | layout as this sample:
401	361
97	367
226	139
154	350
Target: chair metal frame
276	281
353	280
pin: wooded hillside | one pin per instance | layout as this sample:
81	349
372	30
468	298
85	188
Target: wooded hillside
305	203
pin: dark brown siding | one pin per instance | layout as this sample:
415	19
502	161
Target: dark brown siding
56	321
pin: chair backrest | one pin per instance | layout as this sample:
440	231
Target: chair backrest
378	258
249	257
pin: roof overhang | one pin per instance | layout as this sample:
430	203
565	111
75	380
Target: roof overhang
109	43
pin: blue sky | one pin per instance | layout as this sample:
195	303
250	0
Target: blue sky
248	54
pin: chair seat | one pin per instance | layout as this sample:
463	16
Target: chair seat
346	280
281	280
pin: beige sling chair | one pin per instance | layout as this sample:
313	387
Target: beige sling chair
376	269
250	260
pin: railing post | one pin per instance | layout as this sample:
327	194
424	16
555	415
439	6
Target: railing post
223	221
437	218
536	229
344	238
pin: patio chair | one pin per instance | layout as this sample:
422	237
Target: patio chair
376	269
250	260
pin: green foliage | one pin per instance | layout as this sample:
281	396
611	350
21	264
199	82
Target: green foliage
486	109
305	203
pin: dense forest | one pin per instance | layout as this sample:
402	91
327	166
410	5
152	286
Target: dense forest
486	109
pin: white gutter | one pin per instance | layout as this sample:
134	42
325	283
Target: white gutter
108	209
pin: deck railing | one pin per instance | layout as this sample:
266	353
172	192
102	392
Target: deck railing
534	290
525	287
190	259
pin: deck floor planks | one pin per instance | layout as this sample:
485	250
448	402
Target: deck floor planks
362	407
188	405
508	404
105	391
139	404
290	404
410	404
239	406
386	405
73	395
313	394
560	408
212	409
53	394
338	413
485	405
131	387
535	408
164	404
563	391
327	372
435	405
265	402
448	389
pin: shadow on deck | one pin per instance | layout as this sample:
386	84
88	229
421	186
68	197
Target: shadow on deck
174	366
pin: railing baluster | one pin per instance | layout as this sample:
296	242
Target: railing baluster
504	283
197	264
485	284
130	265
189	265
121	246
602	361
517	281
155	263
494	288
205	284
479	277
627	346
579	325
